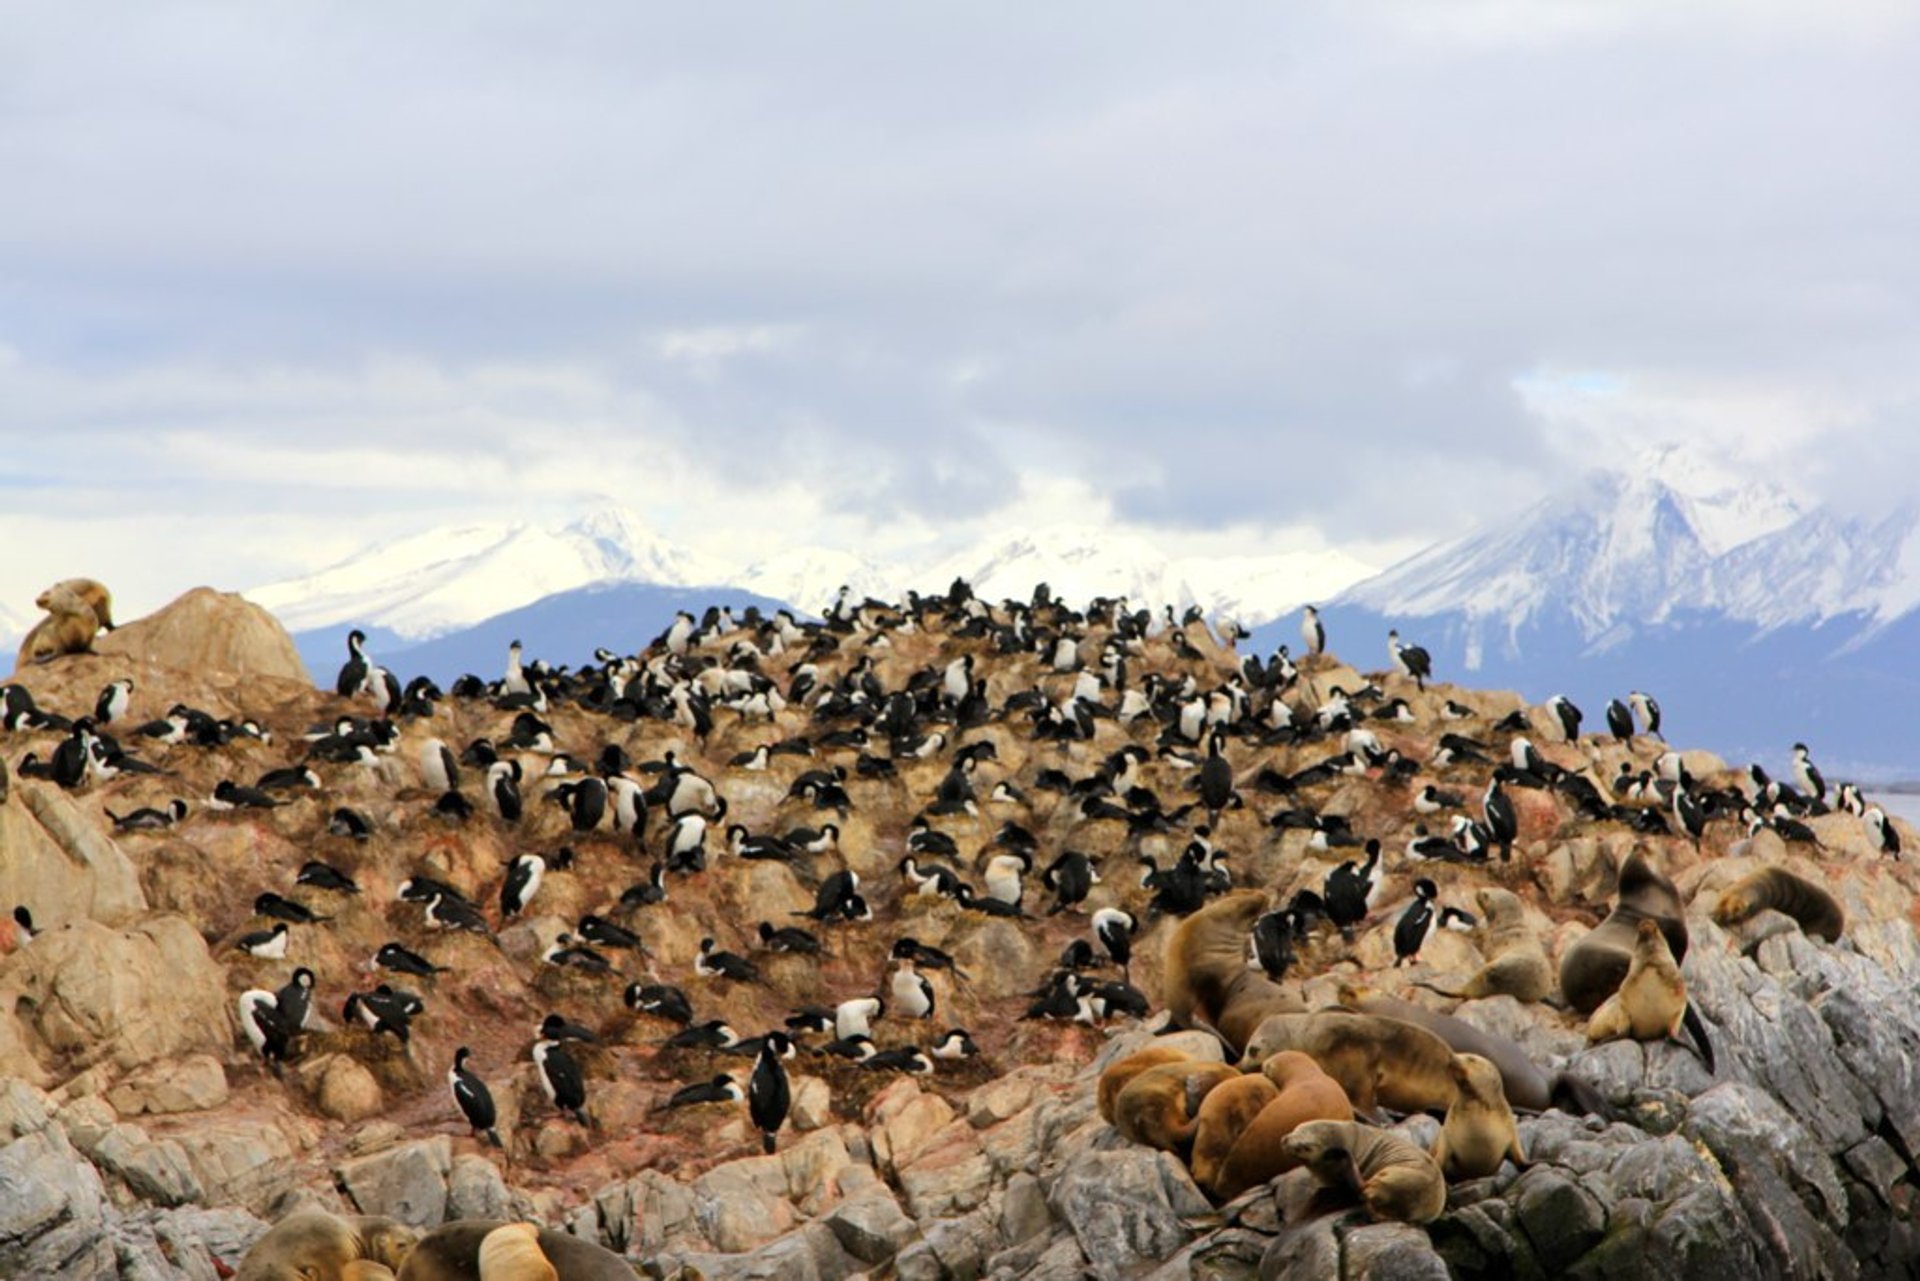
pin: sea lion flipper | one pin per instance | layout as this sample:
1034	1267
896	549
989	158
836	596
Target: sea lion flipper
1697	1028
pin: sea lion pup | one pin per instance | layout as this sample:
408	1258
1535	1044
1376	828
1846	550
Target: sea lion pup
1393	1178
76	595
316	1246
1209	982
1517	965
1304	1093
1651	1004
1120	1073
1592	968
1817	911
1225	1114
1161	1106
1479	1132
1527	1086
455	1252
1379	1062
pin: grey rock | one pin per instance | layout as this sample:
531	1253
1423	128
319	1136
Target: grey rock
475	1189
1390	1252
1878	1166
1309	1252
408	1183
1117	1205
1561	1219
872	1229
1023	1209
53	1211
157	1172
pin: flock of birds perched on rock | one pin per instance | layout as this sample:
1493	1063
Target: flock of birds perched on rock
929	776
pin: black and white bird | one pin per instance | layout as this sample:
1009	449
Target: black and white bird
721	1089
910	1059
1807	775
561	1079
1070	877
1312	631
1619	719
439	767
474	1099
1691	814
854	1017
567	952
788	939
404	960
1568	715
911	992
260	1020
662	1000
275	907
601	932
524	875
147	819
1880	829
1410	660
268	944
1349	888
450	912
558	1027
647	893
350	823
712	963
1270	944
1502	820
768	1094
955	1043
113	700
1647	710
1003	877
1421	918
1115	928
1216	776
353	672
503	786
294	1000
687	844
1431	800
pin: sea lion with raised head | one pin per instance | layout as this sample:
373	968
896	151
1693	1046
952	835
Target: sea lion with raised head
1479	1131
1209	981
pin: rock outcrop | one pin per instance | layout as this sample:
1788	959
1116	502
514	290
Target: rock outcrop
140	1136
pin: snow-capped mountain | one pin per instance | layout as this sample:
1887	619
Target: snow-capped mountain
1756	617
1080	562
14	627
809	577
428	584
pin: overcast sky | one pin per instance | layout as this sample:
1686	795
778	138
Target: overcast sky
278	279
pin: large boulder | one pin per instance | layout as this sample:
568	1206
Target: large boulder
210	631
84	995
56	859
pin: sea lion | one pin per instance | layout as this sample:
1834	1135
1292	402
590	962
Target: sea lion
317	1246
513	1253
1120	1073
1161	1106
1526	1085
58	634
1818	912
1592	968
1517	965
1479	1130
1305	1093
1393	1178
1225	1114
1378	1062
78	595
1651	1004
1210	983
454	1252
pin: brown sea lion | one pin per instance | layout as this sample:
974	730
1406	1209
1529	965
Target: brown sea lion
1122	1071
1651	1004
78	595
1210	982
1225	1114
316	1246
1818	912
1393	1178
1479	1131
452	1252
513	1253
1527	1086
1592	968
1517	964
1161	1106
1378	1062
1305	1093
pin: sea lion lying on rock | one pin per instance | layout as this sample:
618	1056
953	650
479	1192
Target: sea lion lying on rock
1303	1093
1161	1106
1121	1073
317	1246
1394	1179
1517	964
1378	1062
494	1250
1817	912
